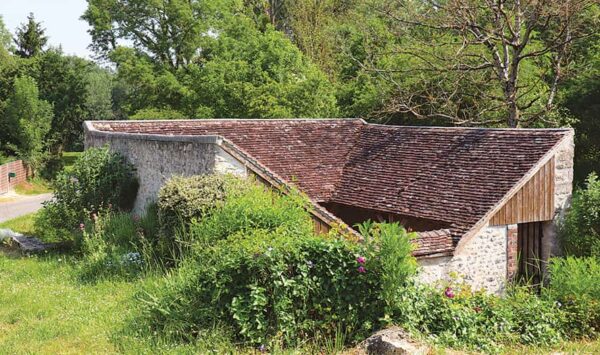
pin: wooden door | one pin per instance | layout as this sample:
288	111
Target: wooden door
530	252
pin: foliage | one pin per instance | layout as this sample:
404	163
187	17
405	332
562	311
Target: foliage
395	246
27	119
580	230
117	245
5	37
183	199
256	266
574	285
98	179
30	38
455	316
230	68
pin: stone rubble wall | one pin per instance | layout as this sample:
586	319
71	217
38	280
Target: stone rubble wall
156	160
563	192
481	262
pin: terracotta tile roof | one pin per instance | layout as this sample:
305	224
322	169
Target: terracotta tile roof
434	242
454	175
310	153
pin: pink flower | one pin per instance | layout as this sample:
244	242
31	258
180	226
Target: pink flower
361	259
448	292
94	217
361	269
82	226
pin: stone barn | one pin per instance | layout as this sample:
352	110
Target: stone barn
485	202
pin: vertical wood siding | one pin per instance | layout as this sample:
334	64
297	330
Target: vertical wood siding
534	202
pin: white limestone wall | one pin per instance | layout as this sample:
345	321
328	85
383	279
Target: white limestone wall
157	160
480	262
563	191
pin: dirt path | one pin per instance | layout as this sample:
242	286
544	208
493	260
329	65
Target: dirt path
18	205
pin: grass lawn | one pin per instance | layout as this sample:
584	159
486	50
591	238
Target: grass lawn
69	159
46	309
23	224
33	187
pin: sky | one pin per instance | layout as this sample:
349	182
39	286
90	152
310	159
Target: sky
59	17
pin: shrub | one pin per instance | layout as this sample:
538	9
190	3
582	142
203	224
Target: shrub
98	179
575	285
395	248
183	199
453	315
580	232
257	267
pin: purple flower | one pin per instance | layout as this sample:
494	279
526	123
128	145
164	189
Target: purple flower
361	269
262	348
361	260
448	292
82	226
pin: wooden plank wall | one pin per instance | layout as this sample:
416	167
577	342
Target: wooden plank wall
534	202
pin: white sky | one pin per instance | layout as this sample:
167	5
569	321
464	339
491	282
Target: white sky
59	17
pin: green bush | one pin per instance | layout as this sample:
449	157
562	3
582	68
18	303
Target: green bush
98	179
580	232
394	247
455	316
575	285
183	200
257	267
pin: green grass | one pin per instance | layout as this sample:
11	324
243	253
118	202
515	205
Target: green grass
69	159
34	186
23	224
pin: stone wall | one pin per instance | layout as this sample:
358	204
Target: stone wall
17	167
481	262
563	191
157	159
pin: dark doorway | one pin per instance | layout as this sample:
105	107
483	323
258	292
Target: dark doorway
530	252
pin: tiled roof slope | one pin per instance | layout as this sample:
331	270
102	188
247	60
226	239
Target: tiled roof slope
310	153
455	175
447	174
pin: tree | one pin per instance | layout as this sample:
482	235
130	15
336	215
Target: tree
227	66
482	61
170	32
28	119
5	36
63	81
30	38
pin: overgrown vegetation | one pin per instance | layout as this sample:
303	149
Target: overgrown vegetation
99	179
580	231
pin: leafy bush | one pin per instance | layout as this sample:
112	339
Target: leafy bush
183	199
453	315
98	179
394	247
580	232
575	285
257	267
